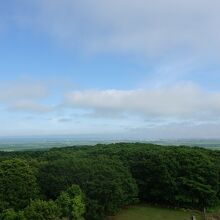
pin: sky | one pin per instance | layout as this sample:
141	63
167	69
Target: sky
120	68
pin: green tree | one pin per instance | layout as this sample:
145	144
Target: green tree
42	210
17	184
71	203
10	214
106	183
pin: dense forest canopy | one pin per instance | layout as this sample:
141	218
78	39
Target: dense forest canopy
91	182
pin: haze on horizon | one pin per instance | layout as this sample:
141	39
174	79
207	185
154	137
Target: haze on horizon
139	69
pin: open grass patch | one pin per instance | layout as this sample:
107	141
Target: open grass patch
146	212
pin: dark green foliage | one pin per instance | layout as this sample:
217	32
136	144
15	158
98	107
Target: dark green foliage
107	184
188	177
198	179
42	210
10	214
110	177
17	184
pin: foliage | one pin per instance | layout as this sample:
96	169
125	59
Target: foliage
42	210
71	203
17	184
108	177
107	184
10	214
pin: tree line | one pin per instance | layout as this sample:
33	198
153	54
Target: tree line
92	182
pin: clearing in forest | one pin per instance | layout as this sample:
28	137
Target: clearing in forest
146	212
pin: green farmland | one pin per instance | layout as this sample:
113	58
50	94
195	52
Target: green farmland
145	212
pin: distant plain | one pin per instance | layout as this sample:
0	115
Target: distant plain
46	142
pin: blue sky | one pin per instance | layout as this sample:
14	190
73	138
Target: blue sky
143	69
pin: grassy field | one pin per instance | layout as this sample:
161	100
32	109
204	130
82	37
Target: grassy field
145	212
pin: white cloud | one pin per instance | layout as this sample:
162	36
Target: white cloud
19	90
29	106
186	101
24	96
181	111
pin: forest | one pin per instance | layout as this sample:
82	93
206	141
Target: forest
92	182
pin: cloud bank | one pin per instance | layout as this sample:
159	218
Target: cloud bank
184	102
183	110
153	28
